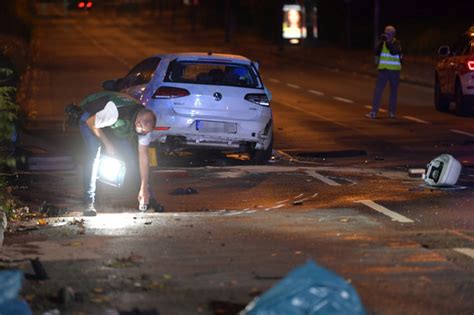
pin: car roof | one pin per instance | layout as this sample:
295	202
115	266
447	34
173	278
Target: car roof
206	57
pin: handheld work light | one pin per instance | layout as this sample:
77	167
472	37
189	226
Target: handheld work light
111	171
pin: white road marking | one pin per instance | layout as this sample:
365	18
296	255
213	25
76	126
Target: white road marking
314	195
251	211
392	214
466	251
380	109
421	121
296	197
316	92
462	133
283	201
322	178
274	80
301	200
101	47
272	208
342	99
294	86
234	213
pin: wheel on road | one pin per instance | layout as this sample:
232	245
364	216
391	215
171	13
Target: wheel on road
262	156
441	102
462	105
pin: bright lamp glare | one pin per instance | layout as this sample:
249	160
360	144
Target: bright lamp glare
111	171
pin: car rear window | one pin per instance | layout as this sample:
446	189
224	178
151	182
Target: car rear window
212	73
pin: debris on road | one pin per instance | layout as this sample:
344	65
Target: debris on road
39	271
184	191
308	289
51	210
442	171
133	260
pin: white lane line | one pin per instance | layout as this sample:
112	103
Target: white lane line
234	213
101	47
294	86
250	211
314	195
319	93
392	214
273	208
462	133
466	251
421	121
274	80
322	178
342	99
296	197
380	109
282	201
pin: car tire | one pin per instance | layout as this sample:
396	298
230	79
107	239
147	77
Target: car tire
441	102
261	156
461	101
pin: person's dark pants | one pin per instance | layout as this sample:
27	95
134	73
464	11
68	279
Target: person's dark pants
384	76
92	156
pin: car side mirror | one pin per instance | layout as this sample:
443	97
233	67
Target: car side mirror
110	85
444	51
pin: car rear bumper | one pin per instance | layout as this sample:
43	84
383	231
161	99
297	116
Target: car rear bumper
467	83
247	133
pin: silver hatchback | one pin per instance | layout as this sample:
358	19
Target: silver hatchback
203	101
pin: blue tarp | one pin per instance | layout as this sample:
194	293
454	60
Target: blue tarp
10	285
308	290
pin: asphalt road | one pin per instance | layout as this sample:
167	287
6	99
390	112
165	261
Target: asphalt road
406	248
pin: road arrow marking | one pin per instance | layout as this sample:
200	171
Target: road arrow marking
392	214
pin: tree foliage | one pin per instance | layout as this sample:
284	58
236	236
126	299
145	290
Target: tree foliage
8	117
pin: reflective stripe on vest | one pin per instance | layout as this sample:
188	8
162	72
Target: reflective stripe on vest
388	61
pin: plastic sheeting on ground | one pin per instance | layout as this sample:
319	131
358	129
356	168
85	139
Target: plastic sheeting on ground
10	285
308	290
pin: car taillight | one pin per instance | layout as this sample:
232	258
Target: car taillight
260	99
89	5
470	65
170	92
81	5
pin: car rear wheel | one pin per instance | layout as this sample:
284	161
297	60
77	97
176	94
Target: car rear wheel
461	101
441	102
262	156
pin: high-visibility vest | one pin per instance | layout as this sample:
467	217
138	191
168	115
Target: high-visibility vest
388	61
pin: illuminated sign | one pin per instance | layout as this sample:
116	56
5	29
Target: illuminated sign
293	23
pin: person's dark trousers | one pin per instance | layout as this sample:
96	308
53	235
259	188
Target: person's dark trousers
92	148
92	156
384	76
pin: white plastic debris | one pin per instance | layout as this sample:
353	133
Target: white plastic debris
443	171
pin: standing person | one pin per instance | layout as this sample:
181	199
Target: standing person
388	57
114	120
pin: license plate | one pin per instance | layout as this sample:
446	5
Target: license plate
216	126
